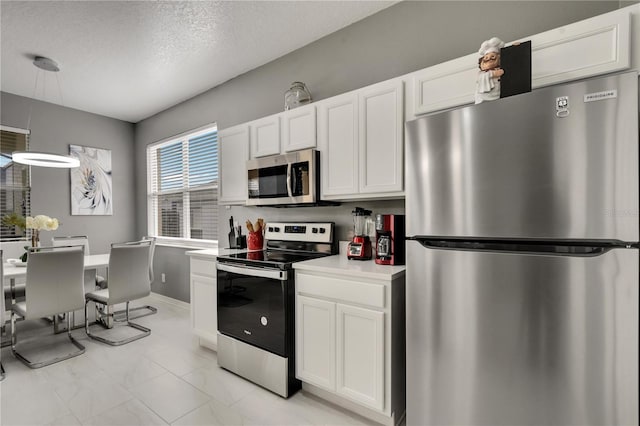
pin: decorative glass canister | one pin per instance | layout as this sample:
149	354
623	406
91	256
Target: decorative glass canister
296	96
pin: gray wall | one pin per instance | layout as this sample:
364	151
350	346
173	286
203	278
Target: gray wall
406	37
53	129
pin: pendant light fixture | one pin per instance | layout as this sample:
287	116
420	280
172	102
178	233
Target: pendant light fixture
44	159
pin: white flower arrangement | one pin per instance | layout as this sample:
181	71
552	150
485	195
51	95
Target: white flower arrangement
42	223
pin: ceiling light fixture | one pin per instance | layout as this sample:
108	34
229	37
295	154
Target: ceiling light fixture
44	159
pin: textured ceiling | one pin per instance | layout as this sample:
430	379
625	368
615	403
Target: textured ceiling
132	59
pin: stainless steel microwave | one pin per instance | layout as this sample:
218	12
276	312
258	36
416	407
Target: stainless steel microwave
286	179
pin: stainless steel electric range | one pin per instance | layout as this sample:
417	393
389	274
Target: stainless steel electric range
256	306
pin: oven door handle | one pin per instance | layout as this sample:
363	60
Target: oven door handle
275	274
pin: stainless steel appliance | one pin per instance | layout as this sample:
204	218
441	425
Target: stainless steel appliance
256	306
523	262
390	239
285	179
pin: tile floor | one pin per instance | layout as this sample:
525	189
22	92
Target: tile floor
165	378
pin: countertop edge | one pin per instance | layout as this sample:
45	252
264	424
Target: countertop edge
339	264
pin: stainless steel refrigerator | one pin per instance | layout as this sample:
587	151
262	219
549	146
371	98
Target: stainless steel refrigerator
522	259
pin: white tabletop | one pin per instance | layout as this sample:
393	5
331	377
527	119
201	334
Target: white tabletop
93	261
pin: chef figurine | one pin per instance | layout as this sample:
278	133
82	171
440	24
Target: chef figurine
488	82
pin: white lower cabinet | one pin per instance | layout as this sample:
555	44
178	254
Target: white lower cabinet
316	341
360	355
204	294
350	342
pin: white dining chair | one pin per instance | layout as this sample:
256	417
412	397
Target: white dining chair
74	240
128	280
91	277
54	285
139	311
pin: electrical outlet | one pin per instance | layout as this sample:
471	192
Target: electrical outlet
163	278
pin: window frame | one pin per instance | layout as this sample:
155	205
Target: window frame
27	188
185	190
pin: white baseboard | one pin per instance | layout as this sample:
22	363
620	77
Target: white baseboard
171	300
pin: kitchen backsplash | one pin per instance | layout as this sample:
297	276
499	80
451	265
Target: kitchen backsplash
340	215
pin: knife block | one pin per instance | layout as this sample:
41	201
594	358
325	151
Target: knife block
237	241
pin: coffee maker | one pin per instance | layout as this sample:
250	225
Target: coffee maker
360	247
390	237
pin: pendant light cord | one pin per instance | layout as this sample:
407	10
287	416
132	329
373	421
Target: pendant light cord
33	97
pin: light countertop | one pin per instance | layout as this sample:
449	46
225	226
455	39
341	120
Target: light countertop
340	264
214	252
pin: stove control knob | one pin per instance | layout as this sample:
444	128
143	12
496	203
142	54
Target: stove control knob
314	230
270	229
276	229
322	230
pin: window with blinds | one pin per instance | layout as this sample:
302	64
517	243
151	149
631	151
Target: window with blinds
183	187
15	183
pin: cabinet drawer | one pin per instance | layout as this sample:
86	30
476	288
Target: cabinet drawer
203	267
347	290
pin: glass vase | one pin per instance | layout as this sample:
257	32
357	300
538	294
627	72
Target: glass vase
297	95
35	238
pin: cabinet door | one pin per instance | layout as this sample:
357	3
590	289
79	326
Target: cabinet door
381	126
265	136
338	144
586	48
204	319
299	128
360	355
233	153
316	342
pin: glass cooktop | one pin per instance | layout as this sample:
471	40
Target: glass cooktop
277	258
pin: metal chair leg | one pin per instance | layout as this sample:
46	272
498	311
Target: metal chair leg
120	316
144	330
31	364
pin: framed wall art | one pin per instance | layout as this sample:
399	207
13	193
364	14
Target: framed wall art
91	186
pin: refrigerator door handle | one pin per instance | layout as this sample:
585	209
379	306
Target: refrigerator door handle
573	249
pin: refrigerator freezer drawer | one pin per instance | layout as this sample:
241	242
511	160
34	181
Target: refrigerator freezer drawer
514	168
506	339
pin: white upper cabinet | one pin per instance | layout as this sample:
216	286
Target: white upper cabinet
339	146
299	128
591	47
381	125
361	139
233	153
265	136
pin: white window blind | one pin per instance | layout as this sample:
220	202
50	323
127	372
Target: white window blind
15	182
183	187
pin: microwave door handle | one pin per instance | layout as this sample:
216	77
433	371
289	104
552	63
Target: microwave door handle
289	166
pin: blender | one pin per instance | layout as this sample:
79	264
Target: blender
360	247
